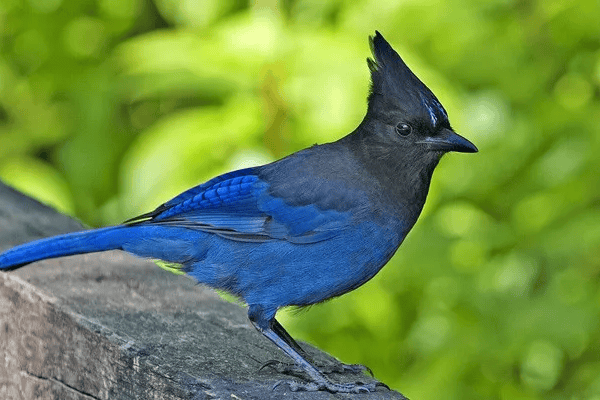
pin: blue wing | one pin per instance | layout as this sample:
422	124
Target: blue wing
239	206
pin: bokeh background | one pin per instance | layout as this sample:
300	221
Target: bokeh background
110	107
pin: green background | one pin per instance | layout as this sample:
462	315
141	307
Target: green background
108	108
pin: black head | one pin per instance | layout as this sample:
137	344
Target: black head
403	110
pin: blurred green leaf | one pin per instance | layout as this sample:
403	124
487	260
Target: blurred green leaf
109	108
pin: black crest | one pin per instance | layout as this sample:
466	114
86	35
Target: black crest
391	77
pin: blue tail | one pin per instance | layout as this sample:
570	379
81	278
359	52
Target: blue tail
168	243
63	245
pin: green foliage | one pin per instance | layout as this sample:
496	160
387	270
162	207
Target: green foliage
170	267
110	107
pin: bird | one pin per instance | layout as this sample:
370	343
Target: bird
303	229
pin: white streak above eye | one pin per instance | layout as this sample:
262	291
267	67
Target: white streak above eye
440	107
434	108
431	113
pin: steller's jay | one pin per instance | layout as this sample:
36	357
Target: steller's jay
311	226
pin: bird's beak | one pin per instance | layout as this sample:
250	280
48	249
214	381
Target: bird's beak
447	140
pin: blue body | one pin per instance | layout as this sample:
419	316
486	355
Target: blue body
295	232
313	225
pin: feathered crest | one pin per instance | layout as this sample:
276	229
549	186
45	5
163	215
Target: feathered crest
391	77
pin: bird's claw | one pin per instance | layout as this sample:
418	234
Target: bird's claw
358	387
285	368
354	369
271	363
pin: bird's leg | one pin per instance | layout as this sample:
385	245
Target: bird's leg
283	334
273	331
339	368
279	366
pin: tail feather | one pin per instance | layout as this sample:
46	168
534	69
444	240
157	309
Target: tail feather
63	245
169	243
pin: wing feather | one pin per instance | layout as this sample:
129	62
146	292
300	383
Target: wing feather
239	206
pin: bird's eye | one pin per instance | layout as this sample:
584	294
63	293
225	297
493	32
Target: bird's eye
403	129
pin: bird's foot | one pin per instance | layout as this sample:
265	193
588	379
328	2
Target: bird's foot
339	368
358	387
353	369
